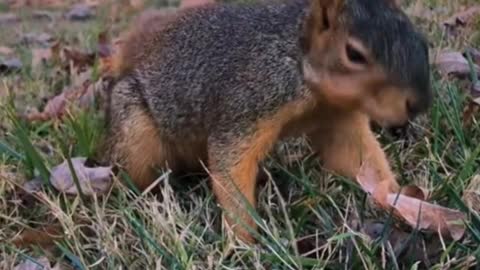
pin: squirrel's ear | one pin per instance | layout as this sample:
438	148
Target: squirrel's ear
396	3
322	15
325	13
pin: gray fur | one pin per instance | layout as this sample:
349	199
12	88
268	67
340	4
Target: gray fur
222	68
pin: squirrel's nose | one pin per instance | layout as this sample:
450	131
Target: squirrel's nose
415	107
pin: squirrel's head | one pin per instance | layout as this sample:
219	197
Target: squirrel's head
367	55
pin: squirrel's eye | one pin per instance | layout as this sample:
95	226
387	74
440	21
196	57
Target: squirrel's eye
355	56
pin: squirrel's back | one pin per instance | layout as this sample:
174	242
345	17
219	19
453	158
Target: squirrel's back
244	59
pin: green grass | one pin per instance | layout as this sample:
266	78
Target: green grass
308	219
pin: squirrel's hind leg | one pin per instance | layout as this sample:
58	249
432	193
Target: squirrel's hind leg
139	149
133	140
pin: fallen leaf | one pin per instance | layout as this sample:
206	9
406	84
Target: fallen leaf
44	236
463	17
6	50
376	229
57	106
41	263
476	89
472	109
453	63
35	264
92	181
475	55
10	65
477	100
457	22
42	39
415	192
44	15
471	194
33	185
80	12
9	18
404	246
417	213
194	3
80	60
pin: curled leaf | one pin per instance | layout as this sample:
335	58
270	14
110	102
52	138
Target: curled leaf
415	192
471	110
42	39
453	63
57	106
471	195
416	212
33	185
80	60
476	89
80	12
43	237
41	263
92	180
10	65
8	18
463	17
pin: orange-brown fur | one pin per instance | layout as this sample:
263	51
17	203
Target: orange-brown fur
144	151
336	120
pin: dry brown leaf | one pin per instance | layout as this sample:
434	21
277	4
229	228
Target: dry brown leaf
6	50
8	18
476	89
194	3
92	181
415	192
475	55
33	185
453	63
472	109
80	60
10	65
462	18
404	246
471	195
42	39
43	237
80	12
41	263
417	213
57	106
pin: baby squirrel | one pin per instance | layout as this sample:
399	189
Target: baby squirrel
220	84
